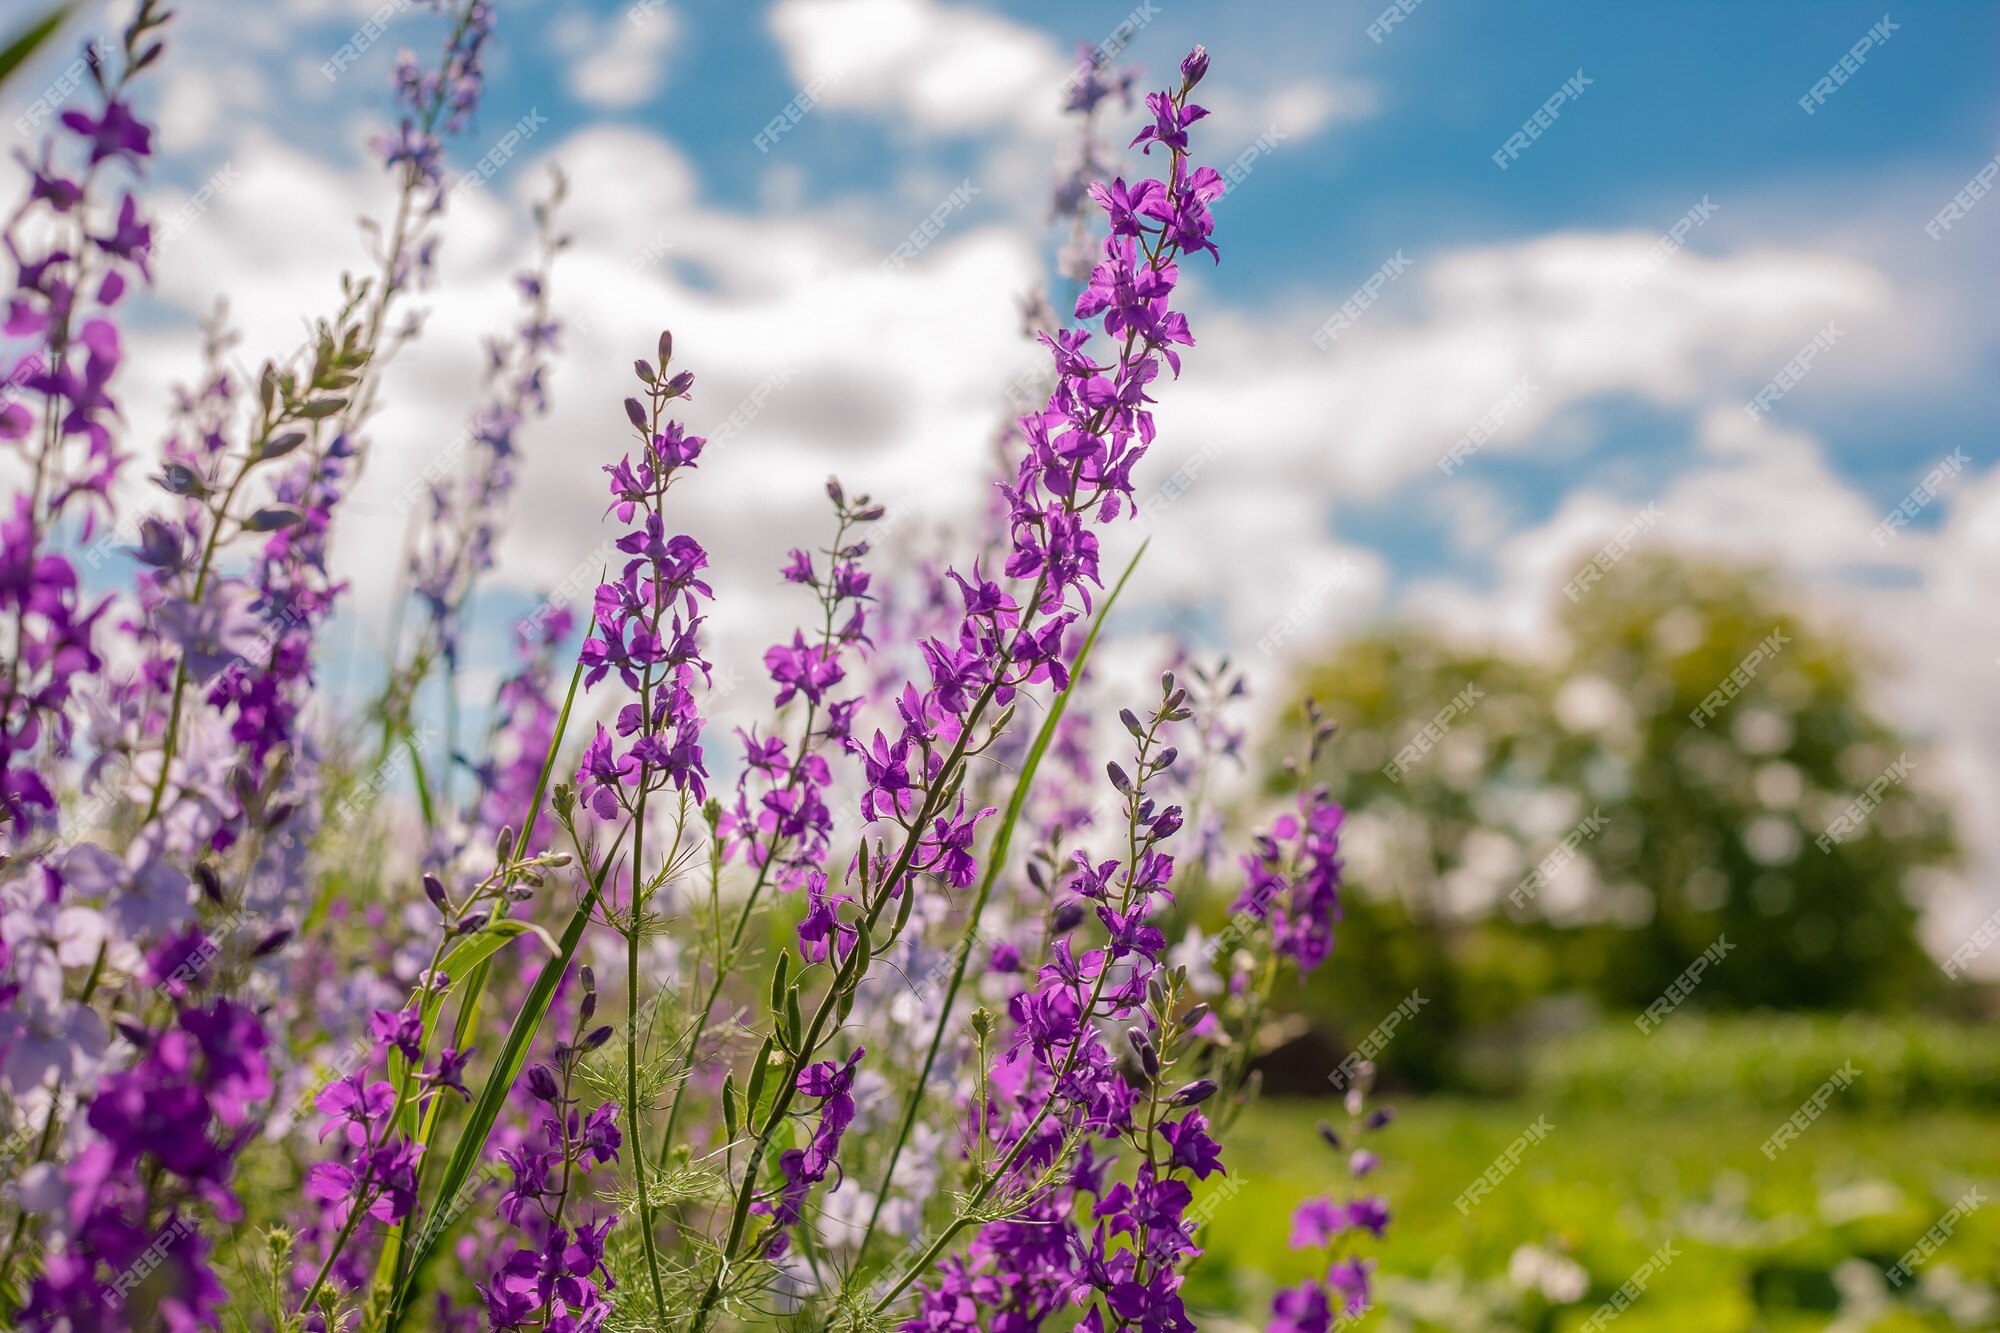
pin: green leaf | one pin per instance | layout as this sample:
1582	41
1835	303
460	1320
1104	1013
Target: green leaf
16	53
423	782
407	1265
493	1094
458	964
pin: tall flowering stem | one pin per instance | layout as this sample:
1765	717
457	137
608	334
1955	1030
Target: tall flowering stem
56	406
1058	1081
466	509
647	630
327	405
779	821
1335	1226
1081	449
996	862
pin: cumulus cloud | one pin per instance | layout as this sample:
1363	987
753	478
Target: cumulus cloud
941	69
616	60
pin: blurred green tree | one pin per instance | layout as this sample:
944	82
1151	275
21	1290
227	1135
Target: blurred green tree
1697	764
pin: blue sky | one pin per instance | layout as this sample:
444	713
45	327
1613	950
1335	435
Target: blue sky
1687	101
1309	460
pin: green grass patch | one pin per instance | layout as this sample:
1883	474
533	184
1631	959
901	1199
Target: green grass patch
1802	1242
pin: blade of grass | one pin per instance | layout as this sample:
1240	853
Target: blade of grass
396	1258
423	781
493	1096
16	53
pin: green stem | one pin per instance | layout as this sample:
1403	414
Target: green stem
171	741
632	1046
723	959
995	861
963	1218
781	1101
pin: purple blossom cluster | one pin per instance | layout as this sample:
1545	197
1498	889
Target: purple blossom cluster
139	979
179	804
166	1133
1058	1079
831	1084
780	821
1335	1226
559	1282
1081	448
647	620
1292	880
73	263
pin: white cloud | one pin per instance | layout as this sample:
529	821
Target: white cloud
618	60
943	68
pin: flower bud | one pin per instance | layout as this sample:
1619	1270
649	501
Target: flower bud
1194	67
1326	1132
159	545
542	1084
1195	1093
434	890
1067	918
1149	1058
597	1038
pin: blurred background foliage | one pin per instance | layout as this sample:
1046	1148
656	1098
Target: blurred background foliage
1576	838
1680	835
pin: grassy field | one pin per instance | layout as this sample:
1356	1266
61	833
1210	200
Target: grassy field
1803	1242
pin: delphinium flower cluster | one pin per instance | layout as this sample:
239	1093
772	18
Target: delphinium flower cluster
902	1019
1335	1227
160	780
